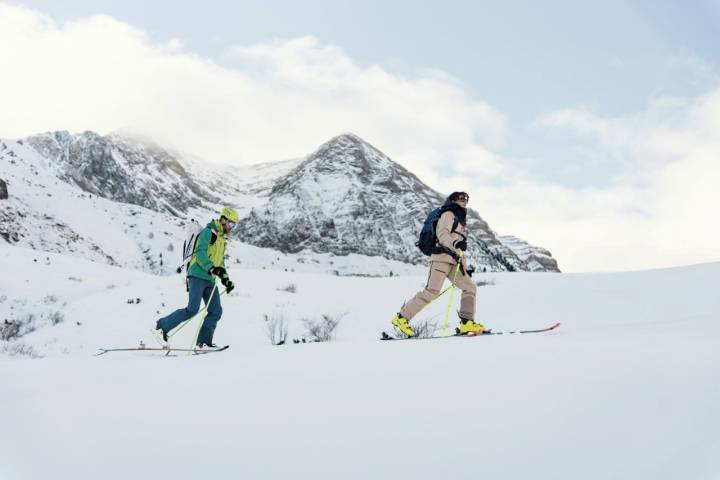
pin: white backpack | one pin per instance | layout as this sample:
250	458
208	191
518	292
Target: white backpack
192	232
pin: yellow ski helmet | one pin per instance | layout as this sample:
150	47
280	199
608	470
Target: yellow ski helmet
231	214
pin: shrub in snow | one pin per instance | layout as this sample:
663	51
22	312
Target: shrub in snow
18	349
276	328
9	330
12	329
424	329
482	283
50	299
288	288
56	317
322	330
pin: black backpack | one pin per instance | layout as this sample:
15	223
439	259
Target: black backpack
427	243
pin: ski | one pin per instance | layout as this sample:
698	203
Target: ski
487	333
167	351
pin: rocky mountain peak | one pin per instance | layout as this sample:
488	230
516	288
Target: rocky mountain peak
349	197
121	169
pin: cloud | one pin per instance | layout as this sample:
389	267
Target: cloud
269	101
660	211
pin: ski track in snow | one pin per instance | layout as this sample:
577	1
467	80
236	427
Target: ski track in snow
626	388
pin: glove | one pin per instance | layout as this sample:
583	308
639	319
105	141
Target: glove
461	245
229	286
219	271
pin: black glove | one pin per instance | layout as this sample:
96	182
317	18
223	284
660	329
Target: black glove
219	271
229	285
461	245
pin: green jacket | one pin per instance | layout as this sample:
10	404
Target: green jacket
209	251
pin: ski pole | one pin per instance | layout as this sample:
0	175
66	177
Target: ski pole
452	294
180	327
202	321
438	296
452	285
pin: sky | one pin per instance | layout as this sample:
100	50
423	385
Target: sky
590	129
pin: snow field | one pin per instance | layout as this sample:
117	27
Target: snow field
627	387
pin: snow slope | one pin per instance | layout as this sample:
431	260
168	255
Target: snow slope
627	388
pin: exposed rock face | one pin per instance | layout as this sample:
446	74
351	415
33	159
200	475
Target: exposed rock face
122	169
537	259
348	197
3	190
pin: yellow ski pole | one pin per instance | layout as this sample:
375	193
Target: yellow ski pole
180	327
452	294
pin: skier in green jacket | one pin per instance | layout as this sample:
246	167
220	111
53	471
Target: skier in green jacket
208	261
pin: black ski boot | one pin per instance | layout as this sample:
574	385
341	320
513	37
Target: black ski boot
161	334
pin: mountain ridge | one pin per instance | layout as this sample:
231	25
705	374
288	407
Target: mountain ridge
345	198
349	197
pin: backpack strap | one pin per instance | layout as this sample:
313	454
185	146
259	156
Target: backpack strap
456	222
439	248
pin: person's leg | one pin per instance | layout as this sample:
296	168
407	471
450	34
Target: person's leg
171	321
467	300
214	312
436	277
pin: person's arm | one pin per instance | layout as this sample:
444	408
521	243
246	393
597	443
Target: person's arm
443	230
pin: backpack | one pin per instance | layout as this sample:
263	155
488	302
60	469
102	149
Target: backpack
427	242
192	233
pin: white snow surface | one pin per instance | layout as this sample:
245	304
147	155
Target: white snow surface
626	388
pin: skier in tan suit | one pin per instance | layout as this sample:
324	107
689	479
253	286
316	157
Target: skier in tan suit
450	248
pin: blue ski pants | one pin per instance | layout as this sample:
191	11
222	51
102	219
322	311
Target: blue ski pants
199	289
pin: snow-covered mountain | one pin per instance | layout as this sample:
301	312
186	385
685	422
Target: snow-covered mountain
123	170
113	199
348	197
536	259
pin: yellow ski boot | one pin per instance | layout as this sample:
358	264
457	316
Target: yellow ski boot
469	327
402	324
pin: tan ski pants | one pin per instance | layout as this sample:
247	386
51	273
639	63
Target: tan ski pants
439	271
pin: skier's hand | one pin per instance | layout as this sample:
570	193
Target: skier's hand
461	245
229	286
462	269
219	271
